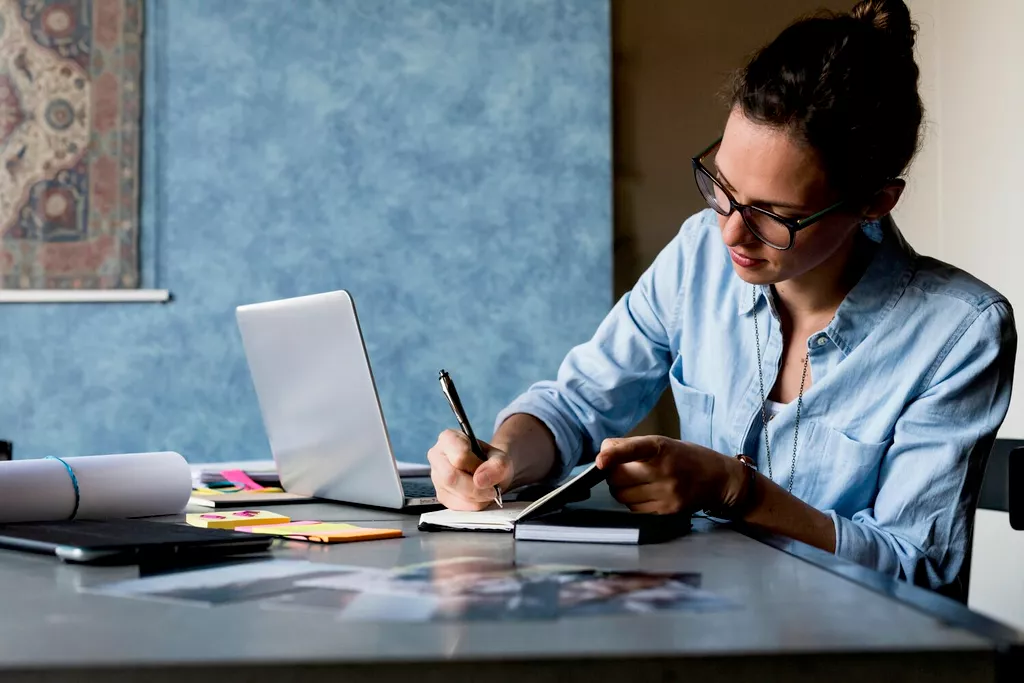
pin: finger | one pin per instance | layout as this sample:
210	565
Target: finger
456	446
636	495
633	449
657	507
631	474
464	461
448	478
452	440
442	473
454	502
648	507
497	471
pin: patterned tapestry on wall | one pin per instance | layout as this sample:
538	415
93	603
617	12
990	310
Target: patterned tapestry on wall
69	143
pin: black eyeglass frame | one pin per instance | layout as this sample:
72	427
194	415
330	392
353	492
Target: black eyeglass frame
793	225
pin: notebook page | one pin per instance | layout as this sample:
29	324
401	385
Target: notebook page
491	519
584	481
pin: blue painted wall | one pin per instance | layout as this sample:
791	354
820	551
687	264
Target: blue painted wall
448	161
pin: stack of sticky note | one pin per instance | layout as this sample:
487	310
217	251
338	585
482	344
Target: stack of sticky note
238	488
235	519
264	522
235	481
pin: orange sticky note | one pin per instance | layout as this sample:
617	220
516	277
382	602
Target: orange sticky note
357	534
323	532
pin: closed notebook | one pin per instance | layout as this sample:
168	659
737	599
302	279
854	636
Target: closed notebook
582	525
506	518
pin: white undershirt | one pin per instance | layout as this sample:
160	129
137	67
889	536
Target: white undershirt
773	408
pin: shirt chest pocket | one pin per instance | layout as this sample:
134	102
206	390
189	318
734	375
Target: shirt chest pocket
841	473
695	409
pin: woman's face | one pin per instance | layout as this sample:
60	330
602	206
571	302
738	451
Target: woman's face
766	167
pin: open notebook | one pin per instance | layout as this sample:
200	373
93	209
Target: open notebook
505	519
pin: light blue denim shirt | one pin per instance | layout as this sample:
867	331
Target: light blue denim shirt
911	380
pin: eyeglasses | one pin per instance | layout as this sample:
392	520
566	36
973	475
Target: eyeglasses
776	231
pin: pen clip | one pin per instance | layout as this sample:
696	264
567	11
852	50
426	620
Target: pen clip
448	389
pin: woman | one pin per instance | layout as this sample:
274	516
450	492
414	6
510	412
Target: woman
794	325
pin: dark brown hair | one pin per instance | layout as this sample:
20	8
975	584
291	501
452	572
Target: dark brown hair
845	84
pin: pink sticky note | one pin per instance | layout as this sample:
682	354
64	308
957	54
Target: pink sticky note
242	479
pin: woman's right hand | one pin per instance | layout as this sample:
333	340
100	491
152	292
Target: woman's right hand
462	480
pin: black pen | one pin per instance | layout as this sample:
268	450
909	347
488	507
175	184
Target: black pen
448	388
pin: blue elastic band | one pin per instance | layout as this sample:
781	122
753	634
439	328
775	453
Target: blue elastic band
74	482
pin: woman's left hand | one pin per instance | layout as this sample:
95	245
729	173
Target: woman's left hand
656	474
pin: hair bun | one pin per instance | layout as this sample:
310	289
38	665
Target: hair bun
891	17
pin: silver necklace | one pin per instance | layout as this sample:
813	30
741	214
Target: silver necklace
764	410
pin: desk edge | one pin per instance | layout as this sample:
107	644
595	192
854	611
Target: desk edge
940	607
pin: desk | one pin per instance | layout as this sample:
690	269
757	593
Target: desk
798	621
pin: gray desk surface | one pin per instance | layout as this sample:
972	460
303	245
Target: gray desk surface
796	621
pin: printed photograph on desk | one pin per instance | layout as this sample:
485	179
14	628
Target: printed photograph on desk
224	584
481	589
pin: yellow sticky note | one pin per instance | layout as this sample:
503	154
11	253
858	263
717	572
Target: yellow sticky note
203	491
232	520
206	491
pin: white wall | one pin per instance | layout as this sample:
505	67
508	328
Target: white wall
959	207
997	568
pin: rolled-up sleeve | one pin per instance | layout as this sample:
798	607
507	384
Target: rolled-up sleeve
606	385
919	526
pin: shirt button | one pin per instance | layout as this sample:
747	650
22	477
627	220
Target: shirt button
821	340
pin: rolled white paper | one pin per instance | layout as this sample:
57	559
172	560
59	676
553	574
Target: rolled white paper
110	487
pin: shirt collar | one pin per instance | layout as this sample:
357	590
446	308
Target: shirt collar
747	303
874	295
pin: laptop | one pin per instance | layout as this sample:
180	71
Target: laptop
319	403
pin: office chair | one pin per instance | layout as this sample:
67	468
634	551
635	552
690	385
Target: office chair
1015	488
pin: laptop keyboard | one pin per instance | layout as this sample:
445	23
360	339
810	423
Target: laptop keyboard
419	488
